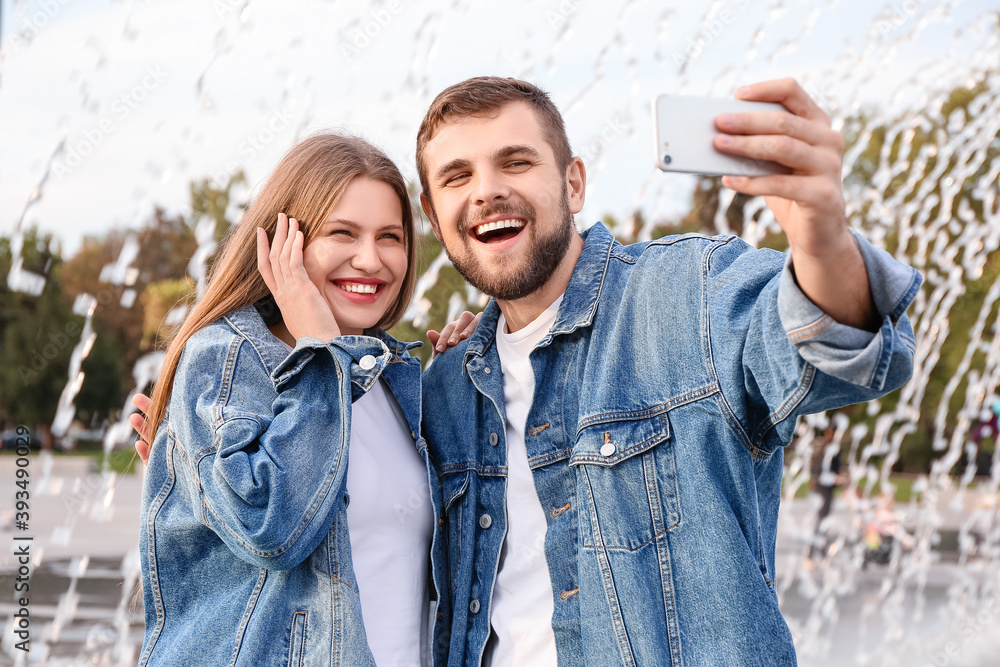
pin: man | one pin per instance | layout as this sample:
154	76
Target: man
610	438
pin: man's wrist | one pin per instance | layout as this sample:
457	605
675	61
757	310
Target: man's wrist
836	281
829	251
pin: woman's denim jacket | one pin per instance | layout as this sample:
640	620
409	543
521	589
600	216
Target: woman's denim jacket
246	558
665	391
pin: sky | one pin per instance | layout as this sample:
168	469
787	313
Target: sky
148	95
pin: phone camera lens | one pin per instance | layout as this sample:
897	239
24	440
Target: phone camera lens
666	159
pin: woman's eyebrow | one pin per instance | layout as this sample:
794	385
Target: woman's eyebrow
345	222
341	221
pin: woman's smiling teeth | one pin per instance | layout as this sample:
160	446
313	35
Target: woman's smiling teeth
358	288
487	227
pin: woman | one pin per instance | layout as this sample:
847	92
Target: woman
259	544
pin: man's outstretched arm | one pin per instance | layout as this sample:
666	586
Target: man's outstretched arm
808	203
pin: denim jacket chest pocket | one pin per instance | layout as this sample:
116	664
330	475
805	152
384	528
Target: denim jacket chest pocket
626	482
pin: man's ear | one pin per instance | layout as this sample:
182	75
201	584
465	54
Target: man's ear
428	207
576	184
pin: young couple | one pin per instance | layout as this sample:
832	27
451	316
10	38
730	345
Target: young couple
599	463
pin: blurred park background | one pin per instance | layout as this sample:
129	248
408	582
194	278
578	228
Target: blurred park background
133	135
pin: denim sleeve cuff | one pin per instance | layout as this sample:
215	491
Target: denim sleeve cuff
844	352
365	356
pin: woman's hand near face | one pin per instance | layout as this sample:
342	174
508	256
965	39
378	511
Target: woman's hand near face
303	308
454	332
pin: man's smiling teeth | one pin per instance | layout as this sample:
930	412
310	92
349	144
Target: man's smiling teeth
499	224
358	288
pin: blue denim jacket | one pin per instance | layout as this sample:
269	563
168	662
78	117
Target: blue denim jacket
665	391
246	558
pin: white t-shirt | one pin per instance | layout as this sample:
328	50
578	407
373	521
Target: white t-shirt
390	521
521	607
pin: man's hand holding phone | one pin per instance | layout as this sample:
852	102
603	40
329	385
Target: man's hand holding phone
808	199
808	202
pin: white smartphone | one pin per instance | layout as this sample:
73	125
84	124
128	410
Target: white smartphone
685	128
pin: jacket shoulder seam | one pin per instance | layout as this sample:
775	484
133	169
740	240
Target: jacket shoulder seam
725	408
226	384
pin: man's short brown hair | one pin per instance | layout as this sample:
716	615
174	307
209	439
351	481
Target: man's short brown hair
481	96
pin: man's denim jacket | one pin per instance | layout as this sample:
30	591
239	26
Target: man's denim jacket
665	391
246	558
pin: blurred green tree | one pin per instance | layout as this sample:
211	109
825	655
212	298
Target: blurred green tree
37	336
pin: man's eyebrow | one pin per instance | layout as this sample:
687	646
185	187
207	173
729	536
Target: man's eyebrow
454	165
520	149
498	154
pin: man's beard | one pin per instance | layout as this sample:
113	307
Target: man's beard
510	281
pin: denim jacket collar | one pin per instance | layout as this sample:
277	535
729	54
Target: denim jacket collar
579	301
249	324
273	353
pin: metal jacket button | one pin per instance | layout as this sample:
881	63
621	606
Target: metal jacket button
474	606
609	447
367	362
494	439
485	521
487	370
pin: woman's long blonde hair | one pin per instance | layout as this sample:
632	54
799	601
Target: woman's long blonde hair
306	185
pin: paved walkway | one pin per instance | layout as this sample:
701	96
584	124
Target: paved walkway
85	527
81	526
74	510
